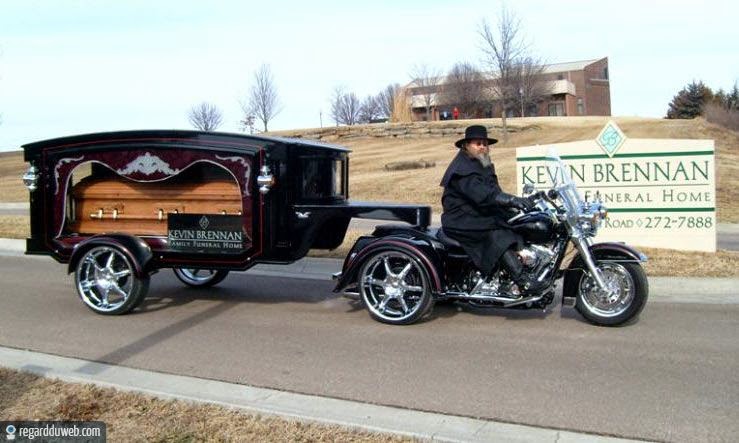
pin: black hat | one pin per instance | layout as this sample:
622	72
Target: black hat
473	132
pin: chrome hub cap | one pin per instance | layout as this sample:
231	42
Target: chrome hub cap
616	298
104	279
197	276
393	285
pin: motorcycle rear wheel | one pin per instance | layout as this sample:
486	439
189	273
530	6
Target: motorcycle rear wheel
624	300
395	288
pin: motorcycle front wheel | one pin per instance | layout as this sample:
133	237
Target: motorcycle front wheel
623	299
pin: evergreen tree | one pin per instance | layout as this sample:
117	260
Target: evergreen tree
688	103
732	99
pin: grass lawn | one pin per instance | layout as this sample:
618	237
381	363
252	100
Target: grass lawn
137	417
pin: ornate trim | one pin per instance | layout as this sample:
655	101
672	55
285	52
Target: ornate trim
148	164
247	174
59	164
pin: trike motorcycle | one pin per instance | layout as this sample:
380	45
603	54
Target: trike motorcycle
399	272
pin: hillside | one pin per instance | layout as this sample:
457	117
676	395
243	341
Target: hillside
374	146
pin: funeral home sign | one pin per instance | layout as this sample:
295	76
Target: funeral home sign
659	192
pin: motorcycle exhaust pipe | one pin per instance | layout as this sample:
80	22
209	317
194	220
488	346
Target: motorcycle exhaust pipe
466	296
532	299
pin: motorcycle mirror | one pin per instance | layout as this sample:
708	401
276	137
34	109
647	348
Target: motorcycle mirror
528	188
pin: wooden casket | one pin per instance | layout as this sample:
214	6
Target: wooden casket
118	205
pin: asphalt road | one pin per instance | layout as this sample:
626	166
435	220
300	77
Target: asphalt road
673	375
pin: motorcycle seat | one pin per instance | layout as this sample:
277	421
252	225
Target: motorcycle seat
446	240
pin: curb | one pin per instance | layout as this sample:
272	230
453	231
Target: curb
374	418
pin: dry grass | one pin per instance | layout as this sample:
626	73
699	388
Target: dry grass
14	226
136	417
667	262
12	168
370	181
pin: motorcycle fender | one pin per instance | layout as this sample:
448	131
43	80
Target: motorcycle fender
611	251
366	246
137	251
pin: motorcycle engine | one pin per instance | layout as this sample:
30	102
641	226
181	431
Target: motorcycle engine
535	257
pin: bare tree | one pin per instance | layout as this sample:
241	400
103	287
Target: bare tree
426	80
532	87
344	107
387	99
370	109
464	88
205	117
505	54
263	101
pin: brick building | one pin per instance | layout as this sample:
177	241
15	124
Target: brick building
575	88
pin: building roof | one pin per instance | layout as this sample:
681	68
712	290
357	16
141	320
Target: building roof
548	69
568	66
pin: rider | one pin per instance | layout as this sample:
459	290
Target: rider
476	209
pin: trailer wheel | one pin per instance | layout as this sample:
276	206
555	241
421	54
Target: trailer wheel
107	282
200	278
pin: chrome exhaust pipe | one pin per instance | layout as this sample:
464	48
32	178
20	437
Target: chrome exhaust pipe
532	299
479	297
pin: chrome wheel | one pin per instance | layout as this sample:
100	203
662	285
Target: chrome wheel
615	299
395	288
200	277
106	281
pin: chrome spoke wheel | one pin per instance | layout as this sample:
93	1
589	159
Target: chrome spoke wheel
104	279
200	277
617	296
395	287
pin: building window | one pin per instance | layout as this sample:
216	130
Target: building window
556	109
580	106
560	77
605	73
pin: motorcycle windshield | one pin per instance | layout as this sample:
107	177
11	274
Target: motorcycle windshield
562	182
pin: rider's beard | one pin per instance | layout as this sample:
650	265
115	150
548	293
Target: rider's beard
484	159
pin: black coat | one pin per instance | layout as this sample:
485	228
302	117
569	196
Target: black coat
471	216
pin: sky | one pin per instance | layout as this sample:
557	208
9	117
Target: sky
73	66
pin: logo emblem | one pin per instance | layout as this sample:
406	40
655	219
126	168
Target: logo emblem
10	431
204	222
611	138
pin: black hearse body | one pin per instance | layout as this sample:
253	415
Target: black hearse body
289	196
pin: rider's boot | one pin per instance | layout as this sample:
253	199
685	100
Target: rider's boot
510	261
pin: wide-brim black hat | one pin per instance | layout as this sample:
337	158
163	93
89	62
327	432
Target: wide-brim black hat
475	132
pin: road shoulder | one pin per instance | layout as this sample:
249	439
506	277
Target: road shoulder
376	418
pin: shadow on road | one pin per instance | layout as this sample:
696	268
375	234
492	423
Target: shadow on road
121	354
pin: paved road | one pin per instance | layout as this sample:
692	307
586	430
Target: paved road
670	376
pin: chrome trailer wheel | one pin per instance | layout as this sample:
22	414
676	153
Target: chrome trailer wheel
106	281
200	278
623	299
395	288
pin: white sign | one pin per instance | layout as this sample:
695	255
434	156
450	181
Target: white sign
659	192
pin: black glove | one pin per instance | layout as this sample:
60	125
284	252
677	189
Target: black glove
512	201
521	203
